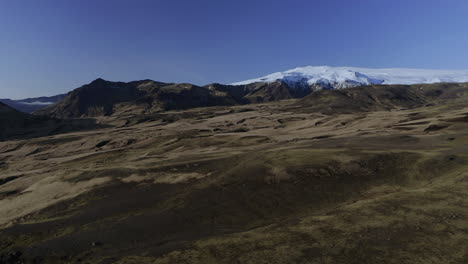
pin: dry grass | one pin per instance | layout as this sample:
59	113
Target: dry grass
259	184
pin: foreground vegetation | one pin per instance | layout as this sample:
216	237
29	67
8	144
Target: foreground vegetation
365	175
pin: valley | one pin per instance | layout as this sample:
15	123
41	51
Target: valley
373	174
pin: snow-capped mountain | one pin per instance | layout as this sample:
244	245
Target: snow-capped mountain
345	77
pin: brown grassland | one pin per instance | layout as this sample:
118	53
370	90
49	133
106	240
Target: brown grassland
316	180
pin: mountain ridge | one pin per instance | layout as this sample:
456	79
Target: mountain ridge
104	98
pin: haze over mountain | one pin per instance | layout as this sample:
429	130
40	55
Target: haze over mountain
30	105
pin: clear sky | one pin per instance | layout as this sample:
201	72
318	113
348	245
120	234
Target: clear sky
53	46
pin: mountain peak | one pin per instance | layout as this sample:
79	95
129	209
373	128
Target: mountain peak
344	77
98	81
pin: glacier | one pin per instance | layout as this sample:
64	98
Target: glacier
345	77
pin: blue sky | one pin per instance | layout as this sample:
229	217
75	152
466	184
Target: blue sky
53	46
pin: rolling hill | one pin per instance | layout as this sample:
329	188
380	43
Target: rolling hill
373	174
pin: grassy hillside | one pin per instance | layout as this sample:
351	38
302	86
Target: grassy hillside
380	177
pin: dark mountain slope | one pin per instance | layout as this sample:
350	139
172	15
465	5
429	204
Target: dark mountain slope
365	98
103	98
94	99
185	96
266	92
260	92
18	125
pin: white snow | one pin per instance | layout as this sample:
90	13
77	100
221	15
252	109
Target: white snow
343	77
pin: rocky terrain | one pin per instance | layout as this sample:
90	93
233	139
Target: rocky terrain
176	173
